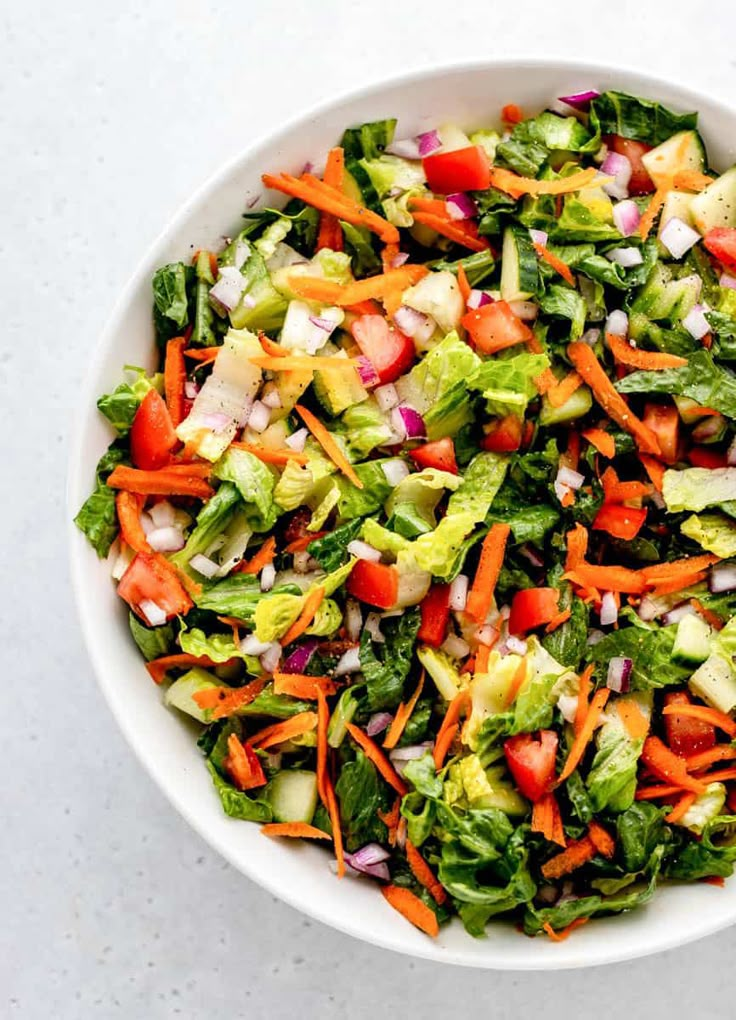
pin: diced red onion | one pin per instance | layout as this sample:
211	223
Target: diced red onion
478	298
527	311
395	470
696	323
191	389
401	755
353	620
407	418
242	252
486	635
594	636
216	421
539	236
547	894
678	237
153	612
259	417
373	626
609	609
572	479
678	613
460	206
274	760
271	657
626	216
580	100
386	396
722	578
414	324
378	723
363	551
349	662
455	647
203	565
328	325
297	440
367	372
268	576
619	673
516	645
229	288
709	428
168	539
406	148
728	281
250	645
591	337
619	167
459	593
398	260
271	399
504	612
370	860
531	554
428	142
653	606
298	660
618	323
626	257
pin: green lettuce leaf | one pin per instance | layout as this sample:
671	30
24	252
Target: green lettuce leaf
617	113
237	804
120	406
170	299
611	781
255	483
212	520
650	650
386	666
508	383
97	518
705	382
450	362
364	428
714	532
410	507
481	481
361	794
698	488
153	642
238	595
331	551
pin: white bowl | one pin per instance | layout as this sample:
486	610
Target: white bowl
472	96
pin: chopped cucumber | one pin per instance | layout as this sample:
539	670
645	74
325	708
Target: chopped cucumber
337	390
575	406
715	206
292	796
676	205
442	670
667	299
692	641
690	411
343	714
519	268
715	683
683	151
180	694
502	796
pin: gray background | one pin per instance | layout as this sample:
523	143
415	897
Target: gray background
110	114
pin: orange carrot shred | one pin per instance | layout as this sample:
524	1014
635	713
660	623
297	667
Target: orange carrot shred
258	560
681	808
323	718
555	262
424	874
577	546
712	619
702	759
330	232
579	744
204	355
511	114
601	440
634	720
402	716
334	812
225	701
634	357
463	232
297	685
463	284
575	856
558	620
486	576
517	186
601	840
300	544
652	210
449	726
564	933
128	506
175	375
158	668
271	456
517	682
294	830
654	469
412	908
311	604
373	752
546	819
705	714
668	766
584	687
278	733
328	444
561	392
174	480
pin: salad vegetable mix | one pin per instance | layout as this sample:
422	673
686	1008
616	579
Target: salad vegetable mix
429	516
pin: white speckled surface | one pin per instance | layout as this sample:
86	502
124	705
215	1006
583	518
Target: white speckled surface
109	116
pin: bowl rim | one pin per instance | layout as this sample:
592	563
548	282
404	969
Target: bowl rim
304	903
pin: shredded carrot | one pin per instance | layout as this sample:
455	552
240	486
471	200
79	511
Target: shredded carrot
323	718
311	604
389	253
300	544
616	491
669	767
691	180
294	830
564	933
717	880
702	759
546	381
579	744
243	765
722	776
667	586
327	199
593	373
561	392
128	506
584	688
517	682
685	566
555	262
575	856
601	840
279	733
391	820
463	284
424	874
271	456
463	232
334	812
158	668
483	656
412	908
517	186
297	685
204	355
511	114
712	619
375	754
328	444
546	819
634	720
654	469
705	714
304	363
175	375
330	232
402	716
271	347
376	288
634	357
225	701
652	210
600	439
681	808
486	576
449	728
175	480
259	560
577	546
614	578
655	792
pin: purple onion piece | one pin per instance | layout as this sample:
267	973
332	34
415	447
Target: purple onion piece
428	143
299	659
723	578
413	422
367	372
580	100
378	723
460	206
619	674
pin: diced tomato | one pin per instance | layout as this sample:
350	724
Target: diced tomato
245	767
641	183
686	735
504	435
531	761
531	608
152	435
374	583
721	242
703	456
495	327
461	170
148	578
389	351
731	800
435	610
620	521
439	454
664	422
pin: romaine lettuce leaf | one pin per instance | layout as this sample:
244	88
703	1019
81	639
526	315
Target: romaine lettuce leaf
705	382
212	520
698	488
330	551
97	518
418	494
450	362
611	782
170	300
120	406
650	650
481	481
386	667
617	113
362	794
714	532
508	383
237	804
153	642
255	483
238	595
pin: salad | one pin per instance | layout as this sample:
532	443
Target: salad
429	516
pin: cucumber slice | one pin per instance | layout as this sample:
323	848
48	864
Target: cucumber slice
502	796
666	299
180	694
683	151
677	204
345	709
692	641
574	407
689	410
715	683
715	206
292	796
337	390
519	268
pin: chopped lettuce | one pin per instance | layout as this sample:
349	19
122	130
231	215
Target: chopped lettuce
97	518
416	496
611	782
120	406
449	363
481	481
254	481
714	532
698	488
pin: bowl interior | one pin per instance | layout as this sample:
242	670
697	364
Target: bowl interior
163	741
